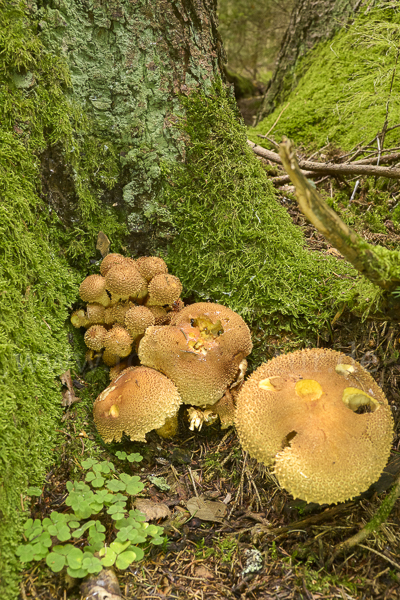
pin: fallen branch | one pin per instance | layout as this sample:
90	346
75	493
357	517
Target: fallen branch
331	168
355	249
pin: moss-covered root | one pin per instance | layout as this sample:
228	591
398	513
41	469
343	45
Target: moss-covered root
379	265
374	524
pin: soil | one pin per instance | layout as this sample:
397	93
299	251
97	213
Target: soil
293	540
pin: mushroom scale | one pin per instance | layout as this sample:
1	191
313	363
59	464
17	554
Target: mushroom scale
138	401
201	353
294	412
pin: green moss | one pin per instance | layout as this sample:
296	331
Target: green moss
235	244
344	87
37	282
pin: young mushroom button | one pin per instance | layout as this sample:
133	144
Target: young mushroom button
321	420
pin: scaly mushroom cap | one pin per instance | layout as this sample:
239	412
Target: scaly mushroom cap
137	320
116	313
321	419
138	401
124	281
109	261
93	289
201	354
117	341
163	290
150	266
94	337
95	313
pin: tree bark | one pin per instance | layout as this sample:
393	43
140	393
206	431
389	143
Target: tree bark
311	22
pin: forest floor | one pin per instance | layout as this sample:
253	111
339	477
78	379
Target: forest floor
266	545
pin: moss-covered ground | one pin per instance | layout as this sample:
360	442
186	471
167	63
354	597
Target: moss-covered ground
345	87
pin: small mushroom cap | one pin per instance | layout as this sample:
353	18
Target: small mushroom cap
94	337
93	289
138	401
116	313
79	318
137	320
201	354
124	281
164	289
118	341
95	313
298	412
150	266
109	261
110	359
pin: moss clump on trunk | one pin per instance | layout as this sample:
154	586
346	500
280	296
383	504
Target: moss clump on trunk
235	243
37	280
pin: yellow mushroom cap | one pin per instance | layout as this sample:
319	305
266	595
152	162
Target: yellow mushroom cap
94	337
109	261
116	313
138	401
79	318
163	289
95	313
201	353
124	281
298	412
93	289
110	359
150	266
117	341
137	320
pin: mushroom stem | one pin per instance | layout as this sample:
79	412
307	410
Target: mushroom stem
355	249
374	524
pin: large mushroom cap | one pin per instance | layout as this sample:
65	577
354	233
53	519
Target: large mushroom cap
138	401
201	353
321	419
109	261
124	281
93	289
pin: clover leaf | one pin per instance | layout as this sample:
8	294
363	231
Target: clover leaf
115	485
34	491
133	483
108	555
55	561
88	463
125	559
91	563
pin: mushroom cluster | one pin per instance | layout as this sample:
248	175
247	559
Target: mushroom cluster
194	355
320	419
122	301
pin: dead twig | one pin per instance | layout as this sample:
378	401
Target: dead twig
332	168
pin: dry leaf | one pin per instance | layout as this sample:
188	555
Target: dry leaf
334	252
206	510
203	572
152	510
103	244
68	395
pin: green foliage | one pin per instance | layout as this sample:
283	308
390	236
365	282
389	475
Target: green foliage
345	86
235	244
102	499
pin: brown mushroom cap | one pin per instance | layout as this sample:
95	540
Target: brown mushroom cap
298	411
116	313
137	320
95	313
201	354
138	401
161	317
117	341
164	289
109	261
94	337
150	266
93	289
124	281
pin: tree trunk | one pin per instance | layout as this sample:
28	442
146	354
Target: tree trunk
311	22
